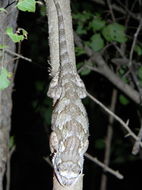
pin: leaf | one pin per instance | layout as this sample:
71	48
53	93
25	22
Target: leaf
26	5
97	43
138	50
4	78
79	65
80	29
97	24
2	46
123	100
82	68
121	72
85	71
11	142
42	10
79	51
114	32
16	37
3	10
82	17
82	21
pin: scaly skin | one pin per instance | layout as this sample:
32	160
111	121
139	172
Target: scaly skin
69	137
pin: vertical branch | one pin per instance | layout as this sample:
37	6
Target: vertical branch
108	140
111	10
8	171
55	60
53	33
136	146
134	42
6	61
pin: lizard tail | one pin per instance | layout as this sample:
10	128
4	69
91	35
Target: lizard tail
63	50
65	64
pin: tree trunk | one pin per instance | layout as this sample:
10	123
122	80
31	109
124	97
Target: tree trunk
6	61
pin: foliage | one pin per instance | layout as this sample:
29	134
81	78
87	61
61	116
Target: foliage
16	37
83	69
138	49
4	78
113	40
96	42
11	142
79	51
97	23
3	46
123	100
114	33
81	20
3	10
27	5
102	32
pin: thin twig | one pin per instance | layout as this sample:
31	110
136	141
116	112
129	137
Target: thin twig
8	177
123	124
120	51
127	11
18	55
134	43
108	139
111	11
87	66
119	9
17	61
136	146
105	167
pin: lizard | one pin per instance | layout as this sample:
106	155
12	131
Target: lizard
69	136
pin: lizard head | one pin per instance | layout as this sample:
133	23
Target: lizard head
68	172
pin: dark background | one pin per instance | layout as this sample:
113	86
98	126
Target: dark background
32	112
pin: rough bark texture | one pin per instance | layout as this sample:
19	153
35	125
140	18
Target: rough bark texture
6	60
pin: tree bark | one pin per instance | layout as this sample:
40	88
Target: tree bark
6	61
